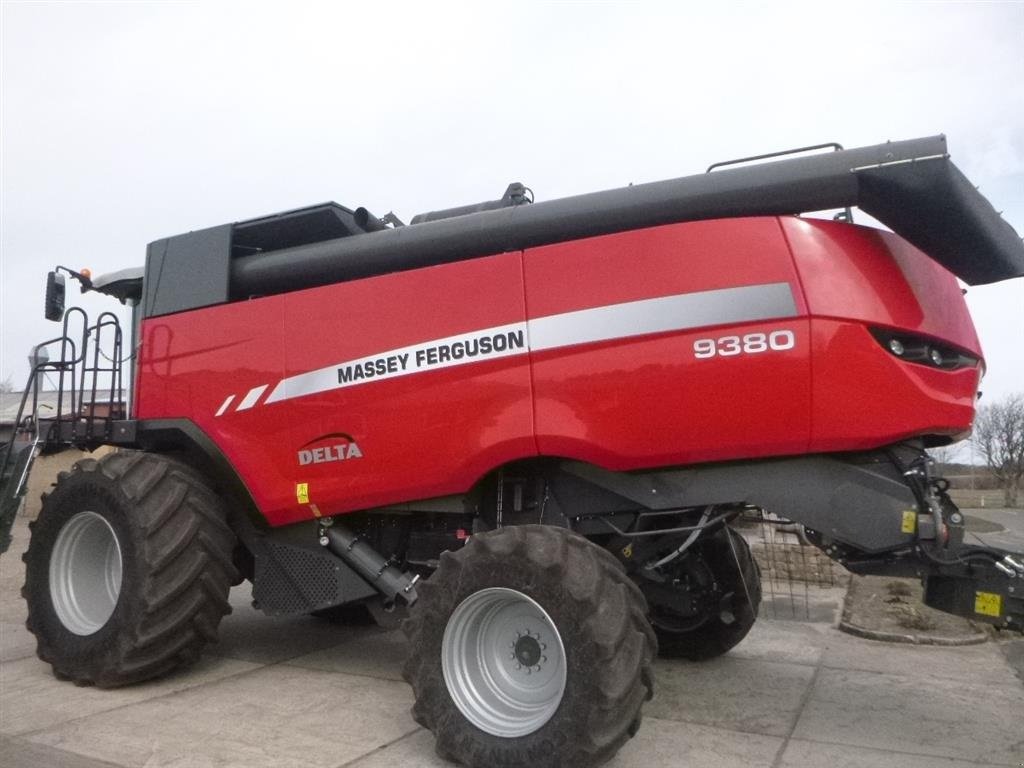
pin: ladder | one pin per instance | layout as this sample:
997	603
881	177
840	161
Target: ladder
88	370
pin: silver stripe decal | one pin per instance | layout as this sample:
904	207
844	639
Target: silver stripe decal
406	361
616	321
667	313
226	405
250	399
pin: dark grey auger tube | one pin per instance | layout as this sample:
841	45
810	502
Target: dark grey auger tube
910	186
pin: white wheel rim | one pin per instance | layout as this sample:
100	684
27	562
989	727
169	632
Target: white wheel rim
503	662
85	573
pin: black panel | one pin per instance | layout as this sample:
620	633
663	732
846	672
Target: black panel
857	503
960	596
932	205
295	575
293	228
187	271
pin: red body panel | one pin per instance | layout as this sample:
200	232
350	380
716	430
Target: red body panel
420	436
635	350
643	402
863	399
875	277
854	277
189	362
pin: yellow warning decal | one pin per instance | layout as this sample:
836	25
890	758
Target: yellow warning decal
302	492
909	521
988	604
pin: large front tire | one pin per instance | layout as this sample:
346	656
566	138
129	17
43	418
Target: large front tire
128	570
529	647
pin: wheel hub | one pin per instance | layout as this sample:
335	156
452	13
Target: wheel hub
503	662
85	573
528	650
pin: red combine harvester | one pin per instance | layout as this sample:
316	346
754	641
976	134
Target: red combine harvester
524	428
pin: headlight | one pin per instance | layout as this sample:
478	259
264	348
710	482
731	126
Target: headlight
922	350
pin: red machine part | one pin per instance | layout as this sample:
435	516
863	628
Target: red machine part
855	278
629	402
705	341
420	436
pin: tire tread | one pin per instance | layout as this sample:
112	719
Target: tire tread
617	620
187	552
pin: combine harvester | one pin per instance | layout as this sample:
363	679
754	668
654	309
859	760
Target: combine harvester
524	428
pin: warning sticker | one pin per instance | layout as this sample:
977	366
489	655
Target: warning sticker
988	604
302	492
909	521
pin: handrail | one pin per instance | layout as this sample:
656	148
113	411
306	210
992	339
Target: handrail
78	376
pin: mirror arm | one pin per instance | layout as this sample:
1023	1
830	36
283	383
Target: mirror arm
84	279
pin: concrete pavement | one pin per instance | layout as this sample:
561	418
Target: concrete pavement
292	693
1011	521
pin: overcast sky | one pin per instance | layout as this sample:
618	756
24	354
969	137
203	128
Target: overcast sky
126	122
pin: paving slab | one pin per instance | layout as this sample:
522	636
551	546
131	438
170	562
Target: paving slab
670	744
791	642
31	698
373	654
275	717
12	605
19	754
659	744
249	635
917	714
16	642
1013	652
1009	528
809	754
762	697
415	750
972	663
14	638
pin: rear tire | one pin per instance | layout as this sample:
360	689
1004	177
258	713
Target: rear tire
529	595
719	632
128	570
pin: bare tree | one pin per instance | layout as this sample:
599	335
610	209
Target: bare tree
999	436
6	385
945	455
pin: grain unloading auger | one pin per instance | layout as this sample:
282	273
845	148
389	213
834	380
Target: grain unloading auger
527	426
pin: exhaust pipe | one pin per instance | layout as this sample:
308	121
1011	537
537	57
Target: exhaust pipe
366	221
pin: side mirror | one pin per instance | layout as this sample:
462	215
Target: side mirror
54	296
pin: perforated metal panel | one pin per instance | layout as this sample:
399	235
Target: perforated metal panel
292	580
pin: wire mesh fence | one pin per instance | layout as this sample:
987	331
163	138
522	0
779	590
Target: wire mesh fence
796	577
